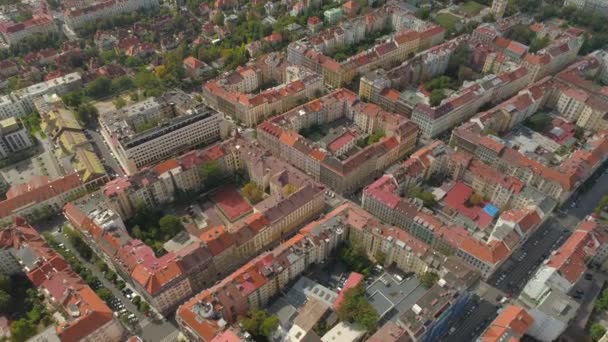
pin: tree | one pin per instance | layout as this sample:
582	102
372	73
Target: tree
522	33
170	225
269	325
252	192
259	324
87	114
436	97
99	87
136	300
539	121
355	259
22	329
423	13
425	196
144	306
5	301
539	43
428	279
475	199
579	132
596	331
355	308
460	57
211	173
101	265
119	102
104	294
219	19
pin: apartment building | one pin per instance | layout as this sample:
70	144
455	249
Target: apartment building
162	281
382	87
511	323
344	172
157	185
401	46
73	149
230	95
85	317
557	182
579	98
555	57
545	297
77	17
465	103
39	194
14	137
12	33
398	247
252	285
445	301
21	102
154	129
412	35
456	229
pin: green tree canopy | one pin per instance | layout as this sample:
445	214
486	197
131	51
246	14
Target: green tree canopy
170	225
22	329
87	114
252	192
259	324
428	279
355	308
104	294
596	331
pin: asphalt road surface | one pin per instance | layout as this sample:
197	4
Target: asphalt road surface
148	329
512	276
477	316
104	152
518	269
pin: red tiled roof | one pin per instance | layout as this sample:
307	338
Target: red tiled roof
353	280
37	190
570	259
232	204
513	321
217	240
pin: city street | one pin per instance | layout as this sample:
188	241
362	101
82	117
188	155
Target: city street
512	276
147	328
104	152
477	316
518	269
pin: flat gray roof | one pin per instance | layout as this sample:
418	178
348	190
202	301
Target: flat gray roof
394	297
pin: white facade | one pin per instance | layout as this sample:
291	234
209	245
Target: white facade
167	140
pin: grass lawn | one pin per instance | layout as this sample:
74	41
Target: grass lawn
471	8
446	20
